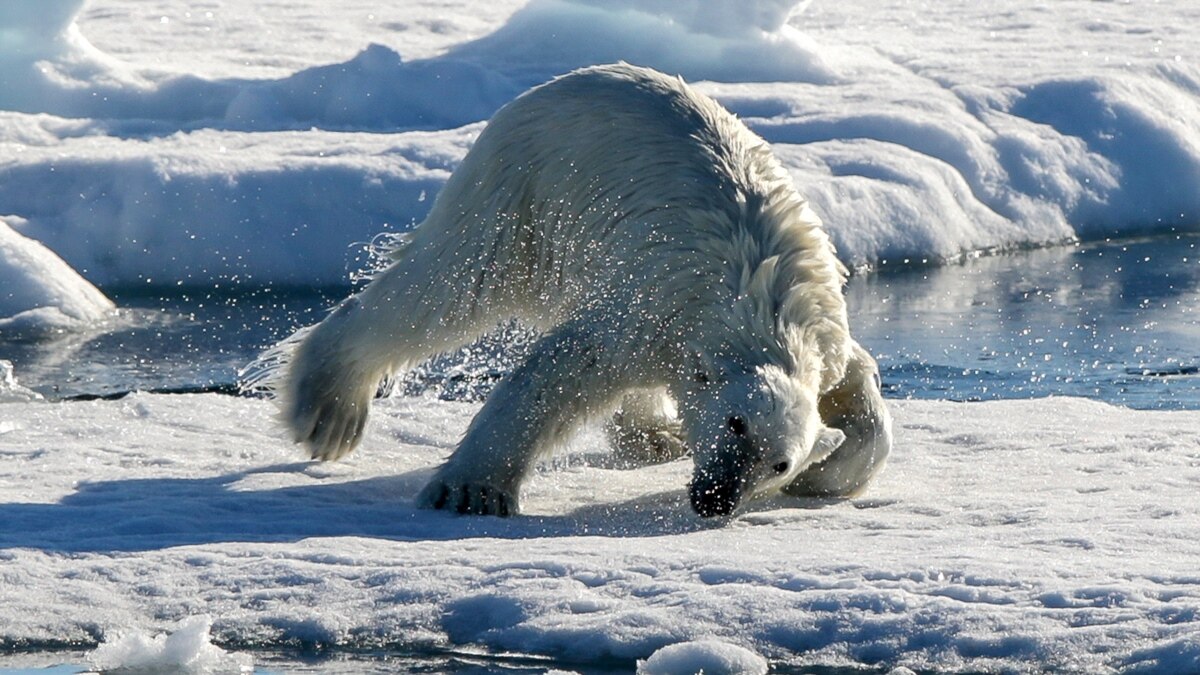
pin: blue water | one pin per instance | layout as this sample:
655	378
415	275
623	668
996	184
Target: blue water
1114	321
1117	322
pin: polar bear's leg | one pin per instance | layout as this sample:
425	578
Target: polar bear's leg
646	429
569	376
408	313
856	407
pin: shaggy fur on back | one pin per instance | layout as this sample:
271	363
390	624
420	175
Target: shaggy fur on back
655	239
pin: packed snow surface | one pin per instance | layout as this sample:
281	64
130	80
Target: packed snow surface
1066	542
169	144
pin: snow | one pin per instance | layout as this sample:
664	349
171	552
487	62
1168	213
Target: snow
216	148
11	390
703	656
41	293
1066	542
169	145
185	650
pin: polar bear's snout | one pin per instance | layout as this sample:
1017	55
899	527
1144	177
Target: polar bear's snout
716	493
719	484
714	498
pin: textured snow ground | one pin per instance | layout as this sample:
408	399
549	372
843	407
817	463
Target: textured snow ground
161	143
1064	541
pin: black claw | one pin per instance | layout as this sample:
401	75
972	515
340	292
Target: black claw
484	498
443	495
464	501
502	506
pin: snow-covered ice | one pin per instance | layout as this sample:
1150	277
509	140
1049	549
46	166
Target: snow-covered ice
172	145
1064	542
215	148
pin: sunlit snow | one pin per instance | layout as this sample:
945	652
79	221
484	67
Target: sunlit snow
171	145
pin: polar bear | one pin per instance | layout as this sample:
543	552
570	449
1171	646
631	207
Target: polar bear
668	260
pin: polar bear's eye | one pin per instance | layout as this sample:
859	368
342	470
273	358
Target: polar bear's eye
781	467
737	424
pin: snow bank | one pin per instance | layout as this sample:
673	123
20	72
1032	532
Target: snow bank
377	89
59	72
47	64
722	40
223	208
908	151
1063	543
40	294
185	650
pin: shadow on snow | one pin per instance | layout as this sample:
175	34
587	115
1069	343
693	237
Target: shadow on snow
157	513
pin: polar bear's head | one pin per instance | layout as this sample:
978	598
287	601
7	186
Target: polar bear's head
751	431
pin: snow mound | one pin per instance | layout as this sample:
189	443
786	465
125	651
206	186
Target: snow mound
11	391
710	657
46	62
1144	131
186	650
35	28
724	41
40	294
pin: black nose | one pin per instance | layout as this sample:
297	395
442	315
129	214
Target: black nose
713	499
737	424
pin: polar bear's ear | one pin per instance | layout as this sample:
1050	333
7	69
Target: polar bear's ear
828	440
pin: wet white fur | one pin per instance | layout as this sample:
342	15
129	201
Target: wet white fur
657	242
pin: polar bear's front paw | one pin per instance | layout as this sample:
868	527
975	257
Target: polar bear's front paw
468	497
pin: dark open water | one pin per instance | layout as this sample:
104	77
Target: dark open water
1111	321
